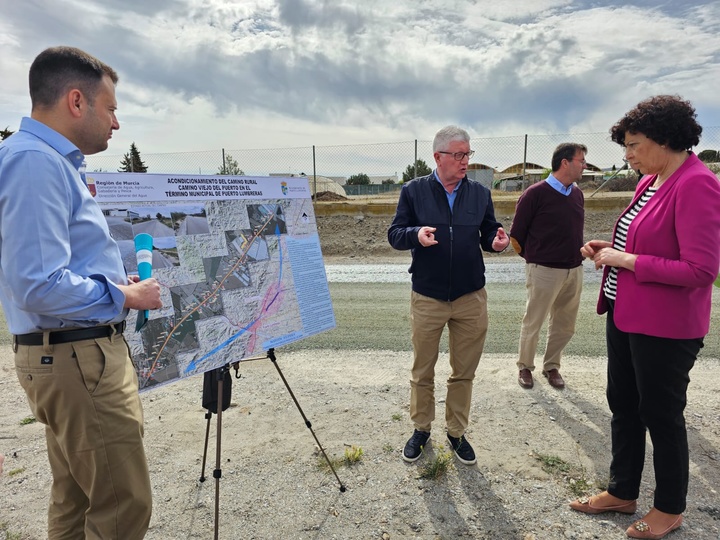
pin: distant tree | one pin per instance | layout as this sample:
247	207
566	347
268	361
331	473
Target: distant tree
410	172
5	133
131	162
709	156
388	181
230	167
360	179
158	216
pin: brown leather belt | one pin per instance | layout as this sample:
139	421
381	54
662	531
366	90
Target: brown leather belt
68	336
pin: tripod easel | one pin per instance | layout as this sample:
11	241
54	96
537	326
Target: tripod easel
221	374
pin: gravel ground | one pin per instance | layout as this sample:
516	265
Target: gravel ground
272	485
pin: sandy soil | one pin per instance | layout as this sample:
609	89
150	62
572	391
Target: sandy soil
272	485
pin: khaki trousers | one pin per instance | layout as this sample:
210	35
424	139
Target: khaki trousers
555	291
86	394
467	322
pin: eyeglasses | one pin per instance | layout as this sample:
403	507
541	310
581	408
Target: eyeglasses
580	160
459	156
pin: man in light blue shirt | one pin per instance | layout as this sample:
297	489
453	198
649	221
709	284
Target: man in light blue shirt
66	295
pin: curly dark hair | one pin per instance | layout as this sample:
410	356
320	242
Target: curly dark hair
667	120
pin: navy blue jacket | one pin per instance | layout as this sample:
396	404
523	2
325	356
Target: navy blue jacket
454	266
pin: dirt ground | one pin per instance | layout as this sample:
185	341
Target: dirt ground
534	447
364	235
531	447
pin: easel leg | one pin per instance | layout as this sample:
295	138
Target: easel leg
271	356
208	415
217	473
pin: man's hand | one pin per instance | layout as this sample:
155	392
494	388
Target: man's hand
426	236
501	240
143	294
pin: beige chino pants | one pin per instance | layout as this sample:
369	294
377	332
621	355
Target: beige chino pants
86	394
553	291
467	322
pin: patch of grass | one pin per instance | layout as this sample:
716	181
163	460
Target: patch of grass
574	476
553	464
9	535
438	466
28	420
388	448
397	417
335	462
353	455
16	471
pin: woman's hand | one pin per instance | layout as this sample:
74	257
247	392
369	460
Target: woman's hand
591	248
610	256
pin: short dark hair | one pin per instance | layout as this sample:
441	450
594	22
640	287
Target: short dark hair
666	119
57	70
566	150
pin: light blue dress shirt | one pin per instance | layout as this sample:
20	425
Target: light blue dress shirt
58	264
558	186
450	196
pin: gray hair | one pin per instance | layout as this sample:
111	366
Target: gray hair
448	134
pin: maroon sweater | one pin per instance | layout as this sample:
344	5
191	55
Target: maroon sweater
548	226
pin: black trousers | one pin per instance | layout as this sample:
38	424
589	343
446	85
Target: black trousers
647	382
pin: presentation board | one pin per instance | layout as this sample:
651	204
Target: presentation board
238	260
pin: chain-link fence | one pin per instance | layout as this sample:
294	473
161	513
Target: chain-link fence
386	162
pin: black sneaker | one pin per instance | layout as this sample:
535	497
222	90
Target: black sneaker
462	449
414	447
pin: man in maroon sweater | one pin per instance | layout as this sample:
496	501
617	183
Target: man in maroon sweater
547	232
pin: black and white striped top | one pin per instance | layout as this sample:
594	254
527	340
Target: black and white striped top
620	239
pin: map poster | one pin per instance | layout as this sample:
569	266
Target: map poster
238	260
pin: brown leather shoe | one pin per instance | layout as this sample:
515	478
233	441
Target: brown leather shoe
525	378
554	378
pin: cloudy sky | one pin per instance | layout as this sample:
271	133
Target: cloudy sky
208	74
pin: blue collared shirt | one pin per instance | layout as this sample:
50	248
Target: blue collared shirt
558	186
58	264
450	196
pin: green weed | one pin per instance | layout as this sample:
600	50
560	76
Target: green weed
574	476
9	535
438	466
353	454
28	420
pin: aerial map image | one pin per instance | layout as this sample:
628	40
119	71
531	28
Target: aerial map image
239	275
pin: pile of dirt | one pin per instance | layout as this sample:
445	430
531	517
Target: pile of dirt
328	196
362	236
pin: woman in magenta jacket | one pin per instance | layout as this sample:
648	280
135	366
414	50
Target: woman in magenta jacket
657	291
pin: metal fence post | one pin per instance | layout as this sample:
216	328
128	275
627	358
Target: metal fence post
223	169
314	176
524	180
415	162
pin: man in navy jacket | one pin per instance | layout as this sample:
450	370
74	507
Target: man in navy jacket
445	219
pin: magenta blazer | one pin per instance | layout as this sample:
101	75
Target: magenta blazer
677	239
